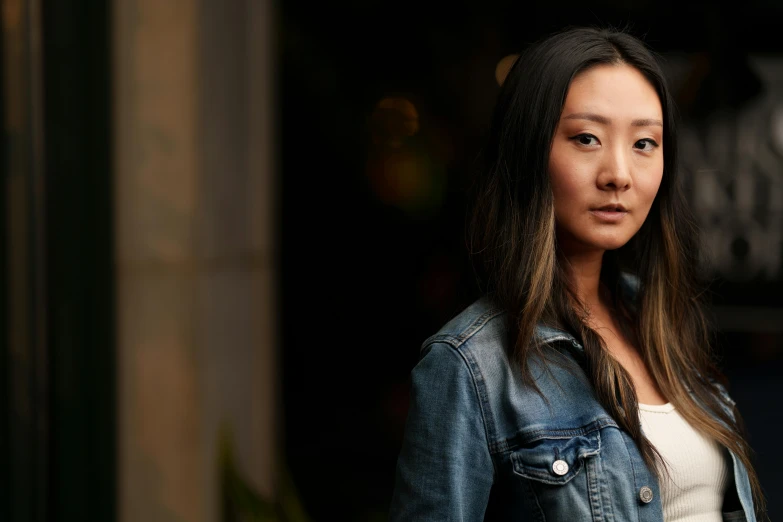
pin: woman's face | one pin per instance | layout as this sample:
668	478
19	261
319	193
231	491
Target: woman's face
606	161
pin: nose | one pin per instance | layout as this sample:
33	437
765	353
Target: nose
615	172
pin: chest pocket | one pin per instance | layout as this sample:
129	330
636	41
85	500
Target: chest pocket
555	461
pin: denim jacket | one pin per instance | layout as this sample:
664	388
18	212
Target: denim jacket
480	444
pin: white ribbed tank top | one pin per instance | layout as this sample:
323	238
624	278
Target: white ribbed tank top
698	467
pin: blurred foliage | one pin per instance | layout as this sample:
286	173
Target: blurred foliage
241	503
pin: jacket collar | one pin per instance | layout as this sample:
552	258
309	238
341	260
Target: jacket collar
549	334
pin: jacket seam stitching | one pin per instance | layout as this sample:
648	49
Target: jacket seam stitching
472	329
478	324
535	435
481	401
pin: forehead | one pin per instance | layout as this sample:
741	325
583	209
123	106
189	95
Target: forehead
615	91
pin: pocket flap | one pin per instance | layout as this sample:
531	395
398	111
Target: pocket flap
555	460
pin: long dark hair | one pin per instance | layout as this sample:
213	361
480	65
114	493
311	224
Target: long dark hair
513	232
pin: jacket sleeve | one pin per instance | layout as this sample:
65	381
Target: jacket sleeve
444	470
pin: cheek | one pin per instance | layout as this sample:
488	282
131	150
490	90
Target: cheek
569	180
648	185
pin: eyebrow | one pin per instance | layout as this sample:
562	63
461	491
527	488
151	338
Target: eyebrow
645	122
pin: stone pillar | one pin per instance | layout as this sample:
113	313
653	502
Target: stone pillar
194	252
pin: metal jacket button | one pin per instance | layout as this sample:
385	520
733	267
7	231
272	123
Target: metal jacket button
560	467
646	494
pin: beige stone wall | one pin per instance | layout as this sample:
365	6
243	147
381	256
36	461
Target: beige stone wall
194	251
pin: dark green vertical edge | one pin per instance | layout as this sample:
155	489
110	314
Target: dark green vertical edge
5	461
80	255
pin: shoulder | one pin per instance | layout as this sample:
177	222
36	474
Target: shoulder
479	320
471	353
484	321
475	340
480	337
483	325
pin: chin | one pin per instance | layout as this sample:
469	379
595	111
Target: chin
608	243
615	246
595	240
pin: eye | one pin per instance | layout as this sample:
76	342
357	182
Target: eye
585	139
645	145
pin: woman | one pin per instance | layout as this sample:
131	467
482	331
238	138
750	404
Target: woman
581	386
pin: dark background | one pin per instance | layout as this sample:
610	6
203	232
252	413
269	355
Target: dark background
372	266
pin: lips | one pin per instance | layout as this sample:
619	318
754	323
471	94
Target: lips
612	207
611	213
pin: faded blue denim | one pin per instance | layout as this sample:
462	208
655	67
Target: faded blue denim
480	445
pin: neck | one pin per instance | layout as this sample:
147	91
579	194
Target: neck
584	272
